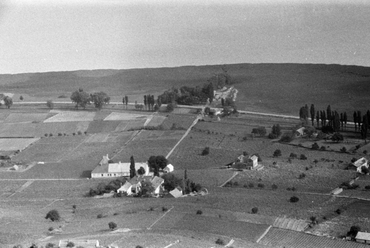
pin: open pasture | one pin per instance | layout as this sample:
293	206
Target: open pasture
180	121
68	116
101	126
160	135
26	117
15	144
18	130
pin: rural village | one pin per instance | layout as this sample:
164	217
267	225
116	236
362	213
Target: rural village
158	173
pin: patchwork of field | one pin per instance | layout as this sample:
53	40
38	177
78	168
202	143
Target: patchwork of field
67	116
284	238
118	116
15	144
26	117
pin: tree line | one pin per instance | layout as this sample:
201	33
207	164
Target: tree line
333	121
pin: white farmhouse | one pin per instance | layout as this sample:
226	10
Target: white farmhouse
107	169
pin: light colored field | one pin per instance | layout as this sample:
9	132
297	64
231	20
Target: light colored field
117	116
66	116
156	120
15	144
26	117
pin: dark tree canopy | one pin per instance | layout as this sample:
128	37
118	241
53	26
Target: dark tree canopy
99	99
81	98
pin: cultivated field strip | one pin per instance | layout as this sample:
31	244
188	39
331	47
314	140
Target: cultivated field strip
70	116
277	237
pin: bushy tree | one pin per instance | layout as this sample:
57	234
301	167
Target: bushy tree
81	98
277	153
8	101
50	104
261	131
112	225
141	171
353	231
53	215
171	181
99	99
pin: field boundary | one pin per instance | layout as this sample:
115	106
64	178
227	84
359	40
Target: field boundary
150	227
228	180
263	234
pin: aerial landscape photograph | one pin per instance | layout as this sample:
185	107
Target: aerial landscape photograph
184	124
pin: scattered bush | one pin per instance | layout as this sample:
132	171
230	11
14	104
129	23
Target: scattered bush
53	215
254	210
251	185
294	199
303	157
220	242
313	220
261	131
301	176
274	187
287	137
365	152
139	246
51	229
116	214
364	170
85	133
338	211
353	231
199	212
260	185
277	153
367	187
60	134
99	216
322	148
315	146
51	245
164	209
205	151
79	132
343	149
73	134
46	135
70	244
293	155
112	225
272	136
50	135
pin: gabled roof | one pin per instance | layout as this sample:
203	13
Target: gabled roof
169	168
157	181
176	193
135	180
363	236
254	157
125	187
360	162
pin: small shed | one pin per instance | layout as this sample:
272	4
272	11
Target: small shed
168	168
157	183
126	188
362	162
176	193
300	132
253	160
363	237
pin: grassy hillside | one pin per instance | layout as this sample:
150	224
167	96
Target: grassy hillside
277	88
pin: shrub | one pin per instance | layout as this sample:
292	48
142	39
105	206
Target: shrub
254	210
51	245
51	229
353	231
313	220
116	214
367	187
364	170
343	149
277	153
301	176
287	137
79	132
164	209
60	134
294	199
170	107
112	225
365	152
205	151
272	136
70	244
220	241
46	135
51	135
199	212
50	104
73	134
139	246
99	216
293	155
322	148
260	185
261	131
274	187
53	215
303	157
251	185
315	146
338	211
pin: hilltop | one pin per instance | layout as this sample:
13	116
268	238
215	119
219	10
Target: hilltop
276	88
